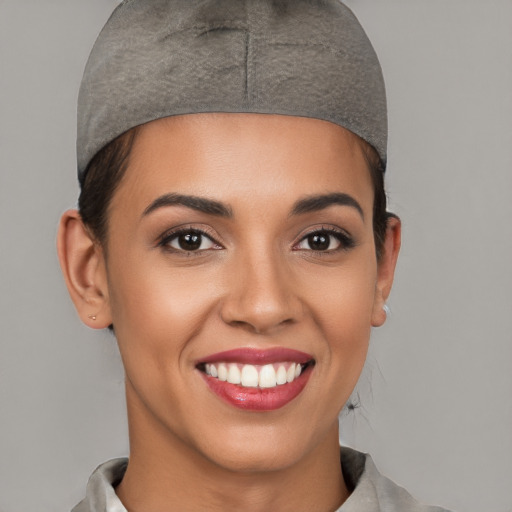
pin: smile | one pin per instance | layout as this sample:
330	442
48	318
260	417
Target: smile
259	380
254	376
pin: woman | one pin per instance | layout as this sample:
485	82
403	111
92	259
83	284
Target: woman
233	233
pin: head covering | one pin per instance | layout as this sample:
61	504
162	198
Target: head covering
159	58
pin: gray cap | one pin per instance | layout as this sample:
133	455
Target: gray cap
159	58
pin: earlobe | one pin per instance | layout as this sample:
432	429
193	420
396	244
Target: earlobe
386	270
83	266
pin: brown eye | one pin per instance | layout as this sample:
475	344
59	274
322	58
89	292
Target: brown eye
325	240
319	241
189	241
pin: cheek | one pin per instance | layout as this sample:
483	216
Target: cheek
342	299
342	304
157	314
157	310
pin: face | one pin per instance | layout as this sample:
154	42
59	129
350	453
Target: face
240	246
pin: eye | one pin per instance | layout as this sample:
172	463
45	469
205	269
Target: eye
325	240
189	240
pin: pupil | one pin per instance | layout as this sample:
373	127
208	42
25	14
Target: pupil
190	241
319	241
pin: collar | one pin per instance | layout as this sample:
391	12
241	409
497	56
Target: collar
370	491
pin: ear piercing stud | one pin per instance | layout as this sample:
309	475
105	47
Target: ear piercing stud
92	317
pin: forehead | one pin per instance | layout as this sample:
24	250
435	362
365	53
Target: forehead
227	156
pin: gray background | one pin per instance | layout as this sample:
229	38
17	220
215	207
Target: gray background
436	408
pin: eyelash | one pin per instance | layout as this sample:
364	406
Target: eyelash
174	234
346	242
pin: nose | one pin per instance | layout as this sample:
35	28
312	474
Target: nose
262	296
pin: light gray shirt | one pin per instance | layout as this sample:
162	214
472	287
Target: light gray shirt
371	492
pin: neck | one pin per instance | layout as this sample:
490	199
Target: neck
166	474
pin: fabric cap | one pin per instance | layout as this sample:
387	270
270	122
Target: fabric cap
159	58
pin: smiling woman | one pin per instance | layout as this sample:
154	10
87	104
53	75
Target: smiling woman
233	231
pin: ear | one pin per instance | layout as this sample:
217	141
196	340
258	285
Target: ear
386	269
83	265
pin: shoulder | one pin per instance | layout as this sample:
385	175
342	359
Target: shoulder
373	492
100	495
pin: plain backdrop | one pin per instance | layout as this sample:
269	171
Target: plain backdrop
435	398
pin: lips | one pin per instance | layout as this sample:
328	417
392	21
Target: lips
259	380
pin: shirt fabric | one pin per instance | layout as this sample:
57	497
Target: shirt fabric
370	491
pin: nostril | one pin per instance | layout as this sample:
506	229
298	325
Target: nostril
260	327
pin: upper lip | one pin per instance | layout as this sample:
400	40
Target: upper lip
256	356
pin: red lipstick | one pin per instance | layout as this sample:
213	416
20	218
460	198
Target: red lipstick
255	379
258	356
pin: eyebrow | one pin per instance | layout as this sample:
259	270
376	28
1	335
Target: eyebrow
320	202
201	204
211	207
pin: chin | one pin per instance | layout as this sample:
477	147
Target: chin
257	458
263	449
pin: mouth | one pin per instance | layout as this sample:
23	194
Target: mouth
259	380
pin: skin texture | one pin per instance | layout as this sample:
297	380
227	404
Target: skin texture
257	284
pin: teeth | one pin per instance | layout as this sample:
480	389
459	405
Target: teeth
290	374
222	371
234	376
252	376
281	375
267	376
249	376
